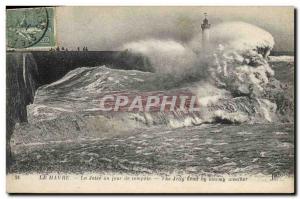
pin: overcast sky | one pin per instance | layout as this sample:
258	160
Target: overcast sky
107	28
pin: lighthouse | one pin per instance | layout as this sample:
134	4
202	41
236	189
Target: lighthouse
205	26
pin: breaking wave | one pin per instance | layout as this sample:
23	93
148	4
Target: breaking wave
232	79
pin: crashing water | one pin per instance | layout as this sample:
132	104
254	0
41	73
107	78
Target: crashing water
221	149
245	124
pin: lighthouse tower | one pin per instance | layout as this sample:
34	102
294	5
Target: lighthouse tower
205	26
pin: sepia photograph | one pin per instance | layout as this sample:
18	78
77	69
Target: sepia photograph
150	99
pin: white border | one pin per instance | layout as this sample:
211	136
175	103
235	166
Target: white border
155	2
3	3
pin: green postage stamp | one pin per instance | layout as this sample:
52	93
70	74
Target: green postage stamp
30	28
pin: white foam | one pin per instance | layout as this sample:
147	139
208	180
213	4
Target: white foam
282	58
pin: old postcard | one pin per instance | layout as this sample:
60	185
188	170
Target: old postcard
150	99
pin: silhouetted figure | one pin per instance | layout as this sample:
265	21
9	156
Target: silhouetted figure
62	48
57	49
86	49
67	49
78	49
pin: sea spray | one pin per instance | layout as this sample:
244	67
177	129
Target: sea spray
233	83
166	56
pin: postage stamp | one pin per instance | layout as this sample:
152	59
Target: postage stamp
30	27
117	100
